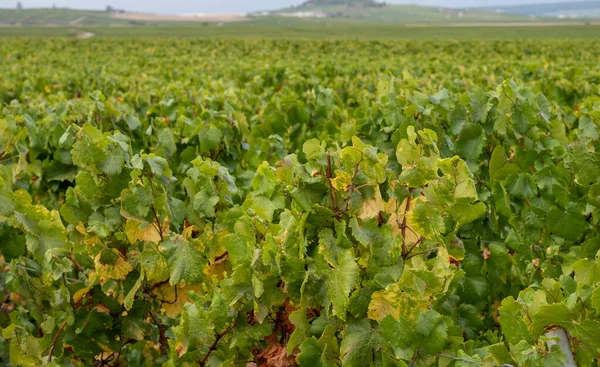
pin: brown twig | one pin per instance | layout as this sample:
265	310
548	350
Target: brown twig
73	261
162	340
221	257
352	186
422	252
331	192
403	226
156	285
129	341
5	152
414	246
55	340
214	345
157	225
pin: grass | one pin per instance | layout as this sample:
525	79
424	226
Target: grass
37	32
307	31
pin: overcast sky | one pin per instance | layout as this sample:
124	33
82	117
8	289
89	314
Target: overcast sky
230	6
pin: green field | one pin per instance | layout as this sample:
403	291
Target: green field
279	202
315	31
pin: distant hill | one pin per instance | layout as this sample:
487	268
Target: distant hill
370	11
576	9
59	16
73	17
349	12
363	3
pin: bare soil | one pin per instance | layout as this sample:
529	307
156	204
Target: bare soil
181	18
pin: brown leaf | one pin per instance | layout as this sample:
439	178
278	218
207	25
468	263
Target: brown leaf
275	355
102	309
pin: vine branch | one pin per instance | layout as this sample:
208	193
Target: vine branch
403	225
214	345
55	340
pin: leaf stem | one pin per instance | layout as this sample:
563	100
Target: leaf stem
414	245
214	345
331	192
422	252
55	340
403	225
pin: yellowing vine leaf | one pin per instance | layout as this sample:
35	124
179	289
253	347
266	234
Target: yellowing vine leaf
149	233
171	301
110	264
372	207
397	219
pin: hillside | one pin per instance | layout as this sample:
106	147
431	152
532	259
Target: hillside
42	16
576	9
74	17
369	11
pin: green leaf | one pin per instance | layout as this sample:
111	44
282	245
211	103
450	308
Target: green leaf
400	334
418	175
568	224
204	203
130	297
359	342
467	213
341	279
133	122
460	177
237	249
310	354
550	315
209	139
185	261
587	271
588	129
500	167
264	181
480	106
7	199
196	328
521	185
298	319
137	201
595	300
511	321
312	149
426	219
470	142
158	165
114	162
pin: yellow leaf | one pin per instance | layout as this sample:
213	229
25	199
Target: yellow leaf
181	349
150	233
341	181
372	207
80	228
397	220
381	306
117	270
172	301
218	268
78	296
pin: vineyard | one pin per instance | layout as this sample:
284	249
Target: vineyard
299	203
